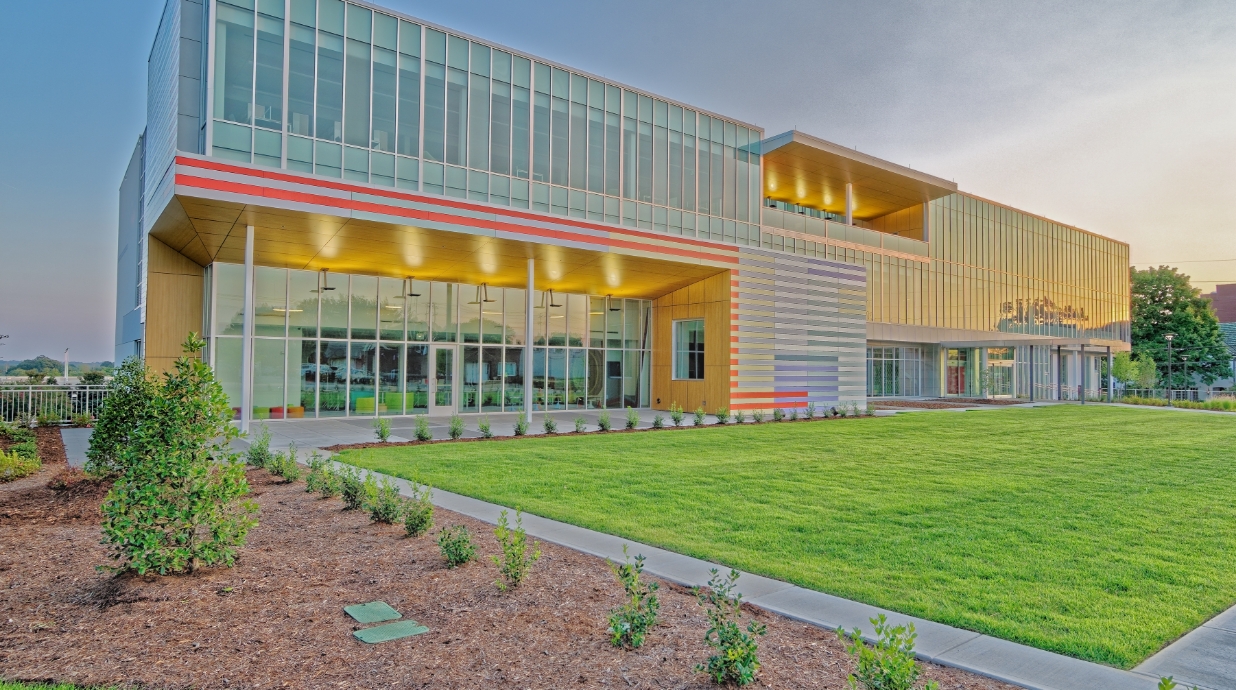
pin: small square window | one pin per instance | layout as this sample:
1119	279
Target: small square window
689	349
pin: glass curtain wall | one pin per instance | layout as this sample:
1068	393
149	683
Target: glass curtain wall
894	372
487	125
333	345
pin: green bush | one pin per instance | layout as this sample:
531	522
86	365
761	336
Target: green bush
179	503
319	476
515	561
47	419
676	414
418	511
382	429
129	396
757	416
82	420
383	502
331	485
809	413
422	432
740	417
551	427
521	424
889	663
581	425
629	624
603	421
483	427
24	442
93	378
456	546
456	429
351	487
793	414
259	454
778	414
722	414
285	465
700	415
658	422
632	418
737	660
14	465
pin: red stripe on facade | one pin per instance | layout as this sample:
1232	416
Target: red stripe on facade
761	406
770	394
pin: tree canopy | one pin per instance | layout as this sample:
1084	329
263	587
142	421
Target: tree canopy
1165	302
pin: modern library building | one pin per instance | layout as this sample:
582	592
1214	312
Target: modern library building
369	214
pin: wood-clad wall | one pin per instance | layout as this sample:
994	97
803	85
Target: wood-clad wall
708	299
173	304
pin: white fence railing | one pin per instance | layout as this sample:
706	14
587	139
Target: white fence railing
61	402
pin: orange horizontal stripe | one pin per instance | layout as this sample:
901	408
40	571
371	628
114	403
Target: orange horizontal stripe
770	394
762	406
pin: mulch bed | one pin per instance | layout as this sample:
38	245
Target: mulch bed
276	619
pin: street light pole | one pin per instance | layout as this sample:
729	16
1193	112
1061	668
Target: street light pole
1169	338
1186	372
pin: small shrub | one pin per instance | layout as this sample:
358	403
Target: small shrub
421	430
383	501
418	511
351	487
869	410
778	414
632	418
331	484
737	660
676	414
603	422
700	414
285	465
14	465
82	420
889	663
722	414
550	426
259	454
1167	683
70	478
456	429
129	396
382	429
456	546
810	411
521	424
757	416
483	427
793	414
629	624
93	378
658	422
515	560
318	476
47	419
739	417
581	425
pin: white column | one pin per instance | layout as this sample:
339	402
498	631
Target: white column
1081	371
1110	377
849	203
982	372
1031	373
528	321
246	343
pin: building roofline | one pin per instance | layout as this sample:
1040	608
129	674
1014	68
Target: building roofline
1042	217
853	154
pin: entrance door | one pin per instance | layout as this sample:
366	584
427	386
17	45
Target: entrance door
442	395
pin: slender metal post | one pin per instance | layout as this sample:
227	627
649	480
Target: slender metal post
1111	378
1059	373
1081	374
849	203
528	321
246	345
1031	373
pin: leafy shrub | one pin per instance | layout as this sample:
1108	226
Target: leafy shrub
515	560
551	427
69	478
810	411
581	425
778	414
658	422
484	428
722	414
178	504
418	511
319	476
757	416
47	419
351	487
737	660
382	429
93	378
14	465
331	485
82	420
456	429
129	396
632	418
793	414
521	424
889	663
603	422
259	454
700	414
421	431
739	417
456	546
24	441
285	465
1167	683
676	414
383	502
629	624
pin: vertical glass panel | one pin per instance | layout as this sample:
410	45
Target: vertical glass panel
333	379
596	379
644	165
385	90
330	16
416	379
559	142
356	97
361	374
444	376
716	179
410	106
229	299
555	395
579	146
613	378
391	301
613	323
596	321
513	380
234	64
613	155
521	111
410	39
539	317
303	304
478	186
268	365
515	311
577	319
417	308
577	382
500	127
267	148
499	190
227	370
555	305
304	12
269	300
301	46
330	86
491	315
630	379
470	388
445	298
629	163
356	164
457	52
232	142
269	77
480	59
674	179
302	378
435	100
645	371
596	150
632	330
334	306
478	116
456	115
382	169
364	307
740	186
491	379
386	31
501	66
660	172
541	125
360	23
727	193
390	400
538	378
470	313
407	173
688	171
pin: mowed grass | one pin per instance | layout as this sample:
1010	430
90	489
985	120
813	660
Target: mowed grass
1098	532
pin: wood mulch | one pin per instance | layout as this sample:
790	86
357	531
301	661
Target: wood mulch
275	620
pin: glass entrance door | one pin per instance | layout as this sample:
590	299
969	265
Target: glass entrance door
442	396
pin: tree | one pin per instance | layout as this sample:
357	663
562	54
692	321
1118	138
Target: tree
1165	302
1133	373
128	399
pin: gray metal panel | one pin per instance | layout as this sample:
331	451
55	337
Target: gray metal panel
128	315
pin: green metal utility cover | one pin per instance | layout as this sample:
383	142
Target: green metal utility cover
391	631
372	612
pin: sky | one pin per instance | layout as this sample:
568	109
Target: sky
1116	117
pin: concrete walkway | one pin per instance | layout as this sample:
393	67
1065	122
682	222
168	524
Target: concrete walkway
1205	656
76	443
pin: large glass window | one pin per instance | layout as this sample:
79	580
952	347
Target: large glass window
330	86
364	307
435	95
301	47
234	64
456	101
269	76
478	115
689	349
385	90
409	90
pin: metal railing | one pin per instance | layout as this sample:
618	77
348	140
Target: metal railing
1162	393
61	402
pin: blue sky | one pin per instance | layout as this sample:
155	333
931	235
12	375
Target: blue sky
1113	116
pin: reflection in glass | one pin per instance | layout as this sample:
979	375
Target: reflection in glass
302	378
417	306
330	87
416	379
491	379
268	363
577	319
234	64
516	316
444	297
391	301
469	391
577	386
333	379
269	300
229	282
556	379
444	376
361	376
364	307
538	378
613	378
334	294
389	401
227	370
303	304
596	379
513	380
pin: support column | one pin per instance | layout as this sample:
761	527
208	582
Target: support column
849	204
1111	378
1059	373
982	372
528	322
246	343
1081	371
1031	373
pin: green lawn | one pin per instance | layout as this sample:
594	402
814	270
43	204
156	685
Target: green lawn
1099	532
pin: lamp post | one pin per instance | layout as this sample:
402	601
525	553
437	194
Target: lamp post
1186	373
1169	338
